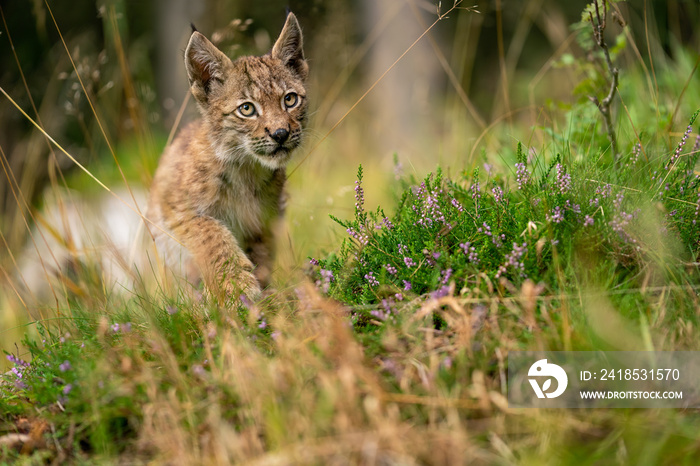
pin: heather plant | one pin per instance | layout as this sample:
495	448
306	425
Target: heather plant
449	237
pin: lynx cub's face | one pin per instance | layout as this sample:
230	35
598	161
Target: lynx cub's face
254	107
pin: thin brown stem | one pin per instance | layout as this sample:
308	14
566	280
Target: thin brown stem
604	106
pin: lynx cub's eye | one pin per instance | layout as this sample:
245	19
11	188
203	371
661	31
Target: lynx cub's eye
246	109
291	100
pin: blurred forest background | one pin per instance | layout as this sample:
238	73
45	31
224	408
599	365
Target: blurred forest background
490	61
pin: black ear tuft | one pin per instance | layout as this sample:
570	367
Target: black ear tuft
194	28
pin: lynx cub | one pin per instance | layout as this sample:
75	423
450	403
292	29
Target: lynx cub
219	187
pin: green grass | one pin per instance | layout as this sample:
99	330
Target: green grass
303	378
342	363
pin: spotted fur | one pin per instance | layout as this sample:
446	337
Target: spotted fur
219	187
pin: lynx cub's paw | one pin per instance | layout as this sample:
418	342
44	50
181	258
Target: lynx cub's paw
219	188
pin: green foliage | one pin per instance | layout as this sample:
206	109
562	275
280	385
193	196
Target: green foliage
450	236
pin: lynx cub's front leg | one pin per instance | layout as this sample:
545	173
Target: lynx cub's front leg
219	187
218	256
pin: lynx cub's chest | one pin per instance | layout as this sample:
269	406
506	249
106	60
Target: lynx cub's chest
219	187
248	208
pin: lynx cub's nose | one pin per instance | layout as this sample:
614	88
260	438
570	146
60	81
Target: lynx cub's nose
280	135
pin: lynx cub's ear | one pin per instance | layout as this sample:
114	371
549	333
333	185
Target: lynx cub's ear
289	47
206	66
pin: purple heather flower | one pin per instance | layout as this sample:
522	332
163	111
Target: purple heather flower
115	327
522	175
618	200
677	153
419	191
455	203
440	292
556	215
362	239
359	197
486	229
262	324
325	282
473	256
388	304
313	261
514	260
470	252
588	221
636	150
563	179
621	219
171	309
429	207
497	193
446	274
398	296
409	262
604	191
387	223
65	366
431	257
17	361
67	389
379	314
371	279
391	269
407	285
498	240
476	190
247	303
